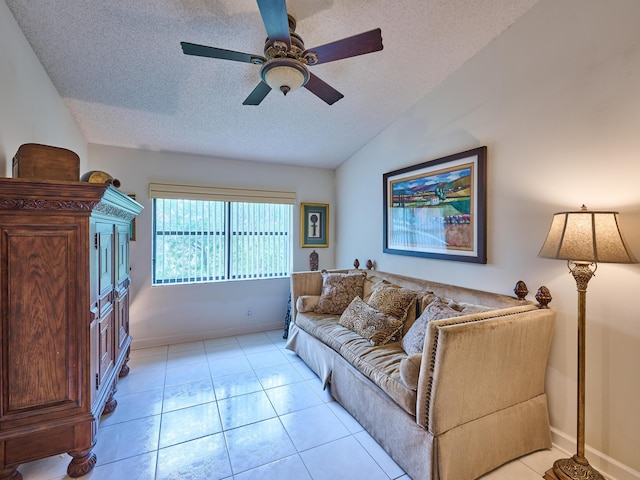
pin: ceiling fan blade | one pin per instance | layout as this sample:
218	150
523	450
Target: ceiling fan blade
322	90
276	22
360	44
213	52
258	94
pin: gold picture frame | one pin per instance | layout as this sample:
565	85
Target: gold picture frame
314	225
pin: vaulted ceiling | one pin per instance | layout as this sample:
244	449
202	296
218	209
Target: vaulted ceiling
120	70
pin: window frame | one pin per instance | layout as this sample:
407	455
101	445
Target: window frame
284	228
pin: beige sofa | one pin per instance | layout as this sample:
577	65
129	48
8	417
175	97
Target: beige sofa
474	397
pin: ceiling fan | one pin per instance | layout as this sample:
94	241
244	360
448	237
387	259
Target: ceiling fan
285	60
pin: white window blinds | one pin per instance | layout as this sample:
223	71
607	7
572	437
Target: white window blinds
207	234
221	194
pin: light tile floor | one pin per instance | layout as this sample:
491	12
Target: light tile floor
237	408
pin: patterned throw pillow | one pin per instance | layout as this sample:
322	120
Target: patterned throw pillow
370	284
392	300
338	289
413	340
372	324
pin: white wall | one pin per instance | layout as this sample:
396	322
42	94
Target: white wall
556	99
31	111
174	313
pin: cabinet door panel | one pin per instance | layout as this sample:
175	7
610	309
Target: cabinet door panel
39	272
104	234
123	317
106	343
94	359
122	260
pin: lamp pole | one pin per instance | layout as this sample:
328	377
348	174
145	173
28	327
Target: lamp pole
577	467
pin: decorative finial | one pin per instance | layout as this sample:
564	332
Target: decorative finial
543	297
521	290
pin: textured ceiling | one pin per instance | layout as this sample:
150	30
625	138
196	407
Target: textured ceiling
119	67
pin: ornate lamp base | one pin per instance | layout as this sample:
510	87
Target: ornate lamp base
574	468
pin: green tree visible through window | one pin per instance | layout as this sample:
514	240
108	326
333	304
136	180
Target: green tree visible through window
205	241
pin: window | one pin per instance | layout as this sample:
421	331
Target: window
212	240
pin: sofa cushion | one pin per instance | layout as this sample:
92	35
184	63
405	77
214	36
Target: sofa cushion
413	340
392	300
377	327
381	364
324	327
470	308
463	307
338	289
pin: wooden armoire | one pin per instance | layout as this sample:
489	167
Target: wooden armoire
64	284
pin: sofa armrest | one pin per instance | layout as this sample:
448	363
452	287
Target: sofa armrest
479	364
307	283
304	283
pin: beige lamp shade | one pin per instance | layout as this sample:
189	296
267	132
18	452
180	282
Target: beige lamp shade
586	236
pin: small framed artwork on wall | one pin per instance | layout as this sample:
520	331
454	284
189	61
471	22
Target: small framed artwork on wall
314	225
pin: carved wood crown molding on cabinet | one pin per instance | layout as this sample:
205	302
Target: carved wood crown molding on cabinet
84	198
44	205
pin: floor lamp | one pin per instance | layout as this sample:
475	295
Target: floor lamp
583	238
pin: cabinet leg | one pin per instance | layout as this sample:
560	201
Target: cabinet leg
111	403
124	370
82	463
10	473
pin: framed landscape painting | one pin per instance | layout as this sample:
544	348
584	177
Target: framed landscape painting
437	209
314	225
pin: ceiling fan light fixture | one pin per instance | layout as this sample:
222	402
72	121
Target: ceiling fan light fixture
285	60
284	74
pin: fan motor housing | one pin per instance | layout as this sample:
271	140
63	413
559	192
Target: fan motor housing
273	49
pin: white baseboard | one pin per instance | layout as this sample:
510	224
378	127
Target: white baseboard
214	333
606	465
